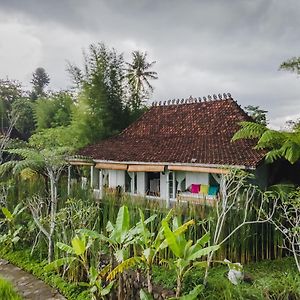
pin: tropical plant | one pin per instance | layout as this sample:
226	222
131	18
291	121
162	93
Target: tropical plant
5	133
7	291
238	195
280	144
101	110
96	285
120	237
150	244
53	111
288	221
11	237
139	73
24	109
78	253
185	251
50	163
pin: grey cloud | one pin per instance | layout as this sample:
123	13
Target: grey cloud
200	46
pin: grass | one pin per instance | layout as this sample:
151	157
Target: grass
271	280
7	291
24	260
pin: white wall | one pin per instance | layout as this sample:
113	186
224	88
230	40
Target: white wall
198	178
163	185
116	177
141	183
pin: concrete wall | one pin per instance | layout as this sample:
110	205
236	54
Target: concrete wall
198	178
141	183
163	185
116	177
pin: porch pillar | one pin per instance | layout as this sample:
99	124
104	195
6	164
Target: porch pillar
174	185
92	177
69	180
223	192
100	183
167	189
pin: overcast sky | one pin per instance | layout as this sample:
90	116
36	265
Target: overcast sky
201	47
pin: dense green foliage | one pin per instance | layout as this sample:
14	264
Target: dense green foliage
280	144
292	65
40	79
258	115
34	265
276	279
7	291
53	111
104	102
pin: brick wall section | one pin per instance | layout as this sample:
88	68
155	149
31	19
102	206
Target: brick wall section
181	133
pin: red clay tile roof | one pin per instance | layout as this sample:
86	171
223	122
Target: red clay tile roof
182	133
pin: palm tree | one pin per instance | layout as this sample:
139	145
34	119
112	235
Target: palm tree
139	73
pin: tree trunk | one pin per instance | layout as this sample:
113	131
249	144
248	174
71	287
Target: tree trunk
50	249
53	208
149	280
179	286
121	288
209	259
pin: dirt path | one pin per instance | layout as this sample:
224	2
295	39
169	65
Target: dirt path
28	286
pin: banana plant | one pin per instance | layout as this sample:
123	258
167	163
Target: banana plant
77	253
185	251
192	295
12	236
96	285
150	244
10	217
120	237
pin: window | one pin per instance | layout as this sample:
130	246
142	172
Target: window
128	180
172	185
152	187
135	183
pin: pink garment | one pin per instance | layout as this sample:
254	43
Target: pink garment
195	188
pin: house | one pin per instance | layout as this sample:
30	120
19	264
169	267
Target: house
179	149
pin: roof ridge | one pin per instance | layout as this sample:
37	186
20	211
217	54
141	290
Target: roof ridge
191	99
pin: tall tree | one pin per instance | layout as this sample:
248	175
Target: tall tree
139	74
10	91
100	112
54	111
40	79
292	65
45	160
23	108
258	115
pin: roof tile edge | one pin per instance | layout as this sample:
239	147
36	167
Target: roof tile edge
191	99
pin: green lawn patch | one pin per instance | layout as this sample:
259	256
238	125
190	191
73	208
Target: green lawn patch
25	261
7	291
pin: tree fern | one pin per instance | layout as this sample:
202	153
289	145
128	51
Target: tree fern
281	144
249	130
271	139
